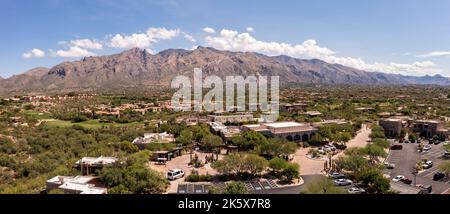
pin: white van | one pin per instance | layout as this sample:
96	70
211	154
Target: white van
174	174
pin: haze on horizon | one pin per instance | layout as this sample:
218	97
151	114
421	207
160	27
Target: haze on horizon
409	37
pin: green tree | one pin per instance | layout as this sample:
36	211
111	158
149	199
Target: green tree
402	133
128	147
374	152
322	186
210	142
383	143
276	147
374	181
354	164
291	171
254	164
277	164
377	132
249	140
235	187
412	137
186	137
445	167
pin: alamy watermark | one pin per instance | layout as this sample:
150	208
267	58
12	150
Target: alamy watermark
190	96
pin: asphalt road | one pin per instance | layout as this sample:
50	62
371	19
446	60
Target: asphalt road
406	159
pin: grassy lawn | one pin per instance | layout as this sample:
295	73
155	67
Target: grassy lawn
91	124
37	115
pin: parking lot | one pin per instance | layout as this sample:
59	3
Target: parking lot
255	187
406	159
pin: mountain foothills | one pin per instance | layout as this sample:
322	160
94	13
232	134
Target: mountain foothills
136	68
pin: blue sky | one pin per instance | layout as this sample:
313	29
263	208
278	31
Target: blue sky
403	36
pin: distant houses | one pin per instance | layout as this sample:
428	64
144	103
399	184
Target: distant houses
234	118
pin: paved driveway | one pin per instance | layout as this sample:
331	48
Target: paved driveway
182	162
310	166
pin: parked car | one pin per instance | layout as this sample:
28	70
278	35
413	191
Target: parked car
427	148
428	188
437	142
406	181
446	155
389	165
427	164
340	146
398	178
174	174
321	151
396	147
438	176
337	175
355	190
342	182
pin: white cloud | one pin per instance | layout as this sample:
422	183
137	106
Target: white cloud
249	29
189	37
162	33
33	53
434	54
87	44
139	40
143	40
74	51
209	30
234	41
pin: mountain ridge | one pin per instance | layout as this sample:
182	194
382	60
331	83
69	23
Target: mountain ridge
137	67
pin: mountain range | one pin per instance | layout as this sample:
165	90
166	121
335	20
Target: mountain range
138	68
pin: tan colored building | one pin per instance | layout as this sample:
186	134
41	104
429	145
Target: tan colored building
428	128
291	131
392	127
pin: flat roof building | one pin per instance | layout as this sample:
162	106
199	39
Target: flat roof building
234	118
148	138
392	126
76	185
428	128
88	165
291	131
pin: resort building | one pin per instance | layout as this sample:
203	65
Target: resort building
392	127
291	131
76	185
428	128
148	138
226	132
88	165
